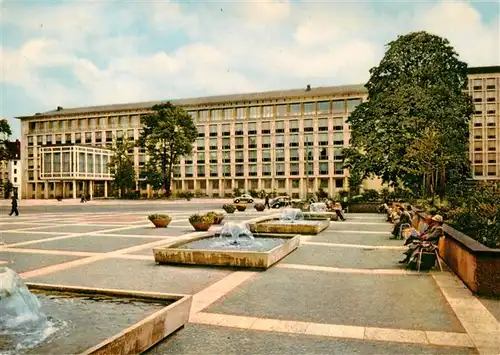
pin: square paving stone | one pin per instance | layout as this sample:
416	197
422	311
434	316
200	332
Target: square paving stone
361	226
331	236
22	262
196	339
90	243
156	232
142	275
11	238
75	228
408	302
355	258
493	305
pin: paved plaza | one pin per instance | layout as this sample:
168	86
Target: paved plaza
340	292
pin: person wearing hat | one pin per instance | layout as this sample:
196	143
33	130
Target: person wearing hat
435	232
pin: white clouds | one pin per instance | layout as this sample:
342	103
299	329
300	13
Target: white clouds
475	42
153	50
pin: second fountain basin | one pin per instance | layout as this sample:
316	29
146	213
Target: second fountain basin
266	250
275	225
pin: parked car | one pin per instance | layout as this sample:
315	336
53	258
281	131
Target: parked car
280	201
243	198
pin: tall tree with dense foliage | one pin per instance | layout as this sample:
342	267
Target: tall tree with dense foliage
5	133
168	134
416	93
122	167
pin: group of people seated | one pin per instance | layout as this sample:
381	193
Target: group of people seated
335	207
420	237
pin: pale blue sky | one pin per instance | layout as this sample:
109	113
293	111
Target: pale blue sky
80	53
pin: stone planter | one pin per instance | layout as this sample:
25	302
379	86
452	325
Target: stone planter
218	219
240	206
477	265
229	211
201	227
161	223
260	208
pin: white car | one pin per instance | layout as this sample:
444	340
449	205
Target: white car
243	198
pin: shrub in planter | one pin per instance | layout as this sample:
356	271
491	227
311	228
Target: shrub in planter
260	207
160	220
59	198
229	208
218	217
240	206
201	222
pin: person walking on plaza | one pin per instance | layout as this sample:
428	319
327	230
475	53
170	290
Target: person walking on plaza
14	207
266	204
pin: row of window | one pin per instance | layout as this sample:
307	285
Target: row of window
265	127
280	169
252	142
282	110
79	138
62	162
83	124
480	83
266	155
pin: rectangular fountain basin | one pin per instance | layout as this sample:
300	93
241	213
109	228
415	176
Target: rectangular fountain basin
274	225
196	251
106	321
319	216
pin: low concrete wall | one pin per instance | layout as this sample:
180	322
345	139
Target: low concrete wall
363	207
477	265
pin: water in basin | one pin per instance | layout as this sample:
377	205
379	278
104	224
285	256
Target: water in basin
55	323
233	236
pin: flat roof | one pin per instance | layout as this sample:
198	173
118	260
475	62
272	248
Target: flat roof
210	100
484	70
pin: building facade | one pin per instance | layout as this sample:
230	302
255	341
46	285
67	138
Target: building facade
484	149
286	141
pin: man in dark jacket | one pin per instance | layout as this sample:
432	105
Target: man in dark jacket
14	207
266	204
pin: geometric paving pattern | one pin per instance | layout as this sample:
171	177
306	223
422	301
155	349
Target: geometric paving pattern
341	291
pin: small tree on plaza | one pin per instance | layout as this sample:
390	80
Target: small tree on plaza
122	167
5	133
168	134
416	93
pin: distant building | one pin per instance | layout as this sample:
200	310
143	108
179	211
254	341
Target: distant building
11	169
289	141
484	149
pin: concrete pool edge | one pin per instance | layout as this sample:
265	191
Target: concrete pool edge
173	253
142	335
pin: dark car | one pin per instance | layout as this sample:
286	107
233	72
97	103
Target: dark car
280	201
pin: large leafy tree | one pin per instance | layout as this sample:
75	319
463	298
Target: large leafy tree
168	134
416	93
122	167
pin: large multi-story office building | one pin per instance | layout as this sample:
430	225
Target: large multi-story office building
289	141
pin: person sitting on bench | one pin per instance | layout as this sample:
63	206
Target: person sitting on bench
338	210
405	218
436	231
